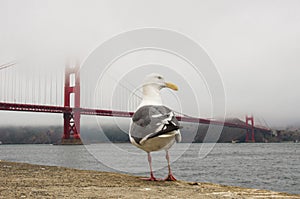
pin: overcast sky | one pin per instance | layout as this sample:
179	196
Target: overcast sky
255	46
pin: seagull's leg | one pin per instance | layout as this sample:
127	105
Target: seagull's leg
150	165
170	175
152	178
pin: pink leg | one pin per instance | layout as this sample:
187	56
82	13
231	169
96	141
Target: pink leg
170	175
152	178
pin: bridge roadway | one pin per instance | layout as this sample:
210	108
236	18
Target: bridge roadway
111	113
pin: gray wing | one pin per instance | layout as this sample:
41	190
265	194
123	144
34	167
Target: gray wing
151	121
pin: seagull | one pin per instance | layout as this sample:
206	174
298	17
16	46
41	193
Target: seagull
154	126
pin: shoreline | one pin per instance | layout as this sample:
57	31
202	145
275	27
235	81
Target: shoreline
39	181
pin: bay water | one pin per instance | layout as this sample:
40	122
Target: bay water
272	166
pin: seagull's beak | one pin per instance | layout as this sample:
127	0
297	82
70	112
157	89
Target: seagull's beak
171	86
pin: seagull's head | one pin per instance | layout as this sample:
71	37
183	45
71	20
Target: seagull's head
158	82
153	83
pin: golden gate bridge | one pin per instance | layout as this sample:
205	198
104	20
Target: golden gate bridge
71	109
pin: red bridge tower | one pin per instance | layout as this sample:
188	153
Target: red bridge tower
72	115
250	131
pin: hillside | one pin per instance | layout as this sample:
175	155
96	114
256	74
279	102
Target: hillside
190	133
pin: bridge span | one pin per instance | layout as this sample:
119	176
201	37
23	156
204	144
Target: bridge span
71	115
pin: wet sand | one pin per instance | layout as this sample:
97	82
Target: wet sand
20	180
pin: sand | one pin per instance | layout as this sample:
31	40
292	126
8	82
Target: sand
20	180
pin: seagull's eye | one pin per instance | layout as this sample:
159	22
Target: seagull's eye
159	77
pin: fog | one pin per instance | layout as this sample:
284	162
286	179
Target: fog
255	46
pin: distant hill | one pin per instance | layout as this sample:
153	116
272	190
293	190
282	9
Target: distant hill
30	135
91	134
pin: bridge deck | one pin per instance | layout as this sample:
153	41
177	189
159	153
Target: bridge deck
111	113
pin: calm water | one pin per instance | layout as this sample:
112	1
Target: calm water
263	166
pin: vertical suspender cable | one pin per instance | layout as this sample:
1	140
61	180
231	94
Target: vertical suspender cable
50	88
25	89
7	85
1	84
56	88
20	90
32	85
62	83
45	90
10	85
22	87
14	85
39	87
28	89
18	87
4	85
4	91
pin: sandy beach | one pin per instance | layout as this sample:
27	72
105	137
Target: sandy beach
20	180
